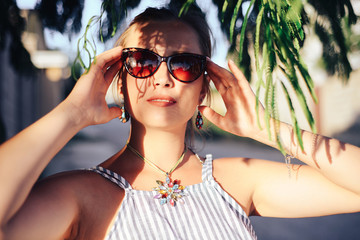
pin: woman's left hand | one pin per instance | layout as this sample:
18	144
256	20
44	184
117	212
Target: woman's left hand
240	118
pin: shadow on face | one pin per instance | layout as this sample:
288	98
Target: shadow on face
164	38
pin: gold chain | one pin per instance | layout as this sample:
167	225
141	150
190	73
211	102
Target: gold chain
153	164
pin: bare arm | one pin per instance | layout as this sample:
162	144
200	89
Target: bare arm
23	158
327	184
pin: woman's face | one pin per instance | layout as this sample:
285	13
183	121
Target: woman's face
161	101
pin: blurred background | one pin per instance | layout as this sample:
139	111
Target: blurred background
35	76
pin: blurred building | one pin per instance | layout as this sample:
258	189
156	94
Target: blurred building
18	96
25	98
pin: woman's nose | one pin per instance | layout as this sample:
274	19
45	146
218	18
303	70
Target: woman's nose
162	77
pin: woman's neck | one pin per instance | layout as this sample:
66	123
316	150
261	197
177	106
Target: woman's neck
162	147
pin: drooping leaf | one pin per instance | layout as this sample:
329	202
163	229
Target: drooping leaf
294	121
243	28
234	19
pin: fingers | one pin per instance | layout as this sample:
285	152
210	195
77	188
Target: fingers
115	112
105	67
210	115
108	58
107	63
241	79
222	78
112	71
229	84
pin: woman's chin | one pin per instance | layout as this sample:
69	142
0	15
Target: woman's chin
164	124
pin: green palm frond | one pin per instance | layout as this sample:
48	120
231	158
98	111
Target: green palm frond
279	26
233	20
293	116
86	43
242	34
112	12
185	7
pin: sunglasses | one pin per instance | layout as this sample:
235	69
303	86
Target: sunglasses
143	63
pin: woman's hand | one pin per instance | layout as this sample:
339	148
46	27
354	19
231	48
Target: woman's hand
240	118
86	102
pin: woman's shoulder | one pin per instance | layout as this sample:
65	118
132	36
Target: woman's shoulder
242	169
234	163
83	189
237	176
69	196
246	165
78	183
95	198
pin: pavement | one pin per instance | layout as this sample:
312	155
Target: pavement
94	144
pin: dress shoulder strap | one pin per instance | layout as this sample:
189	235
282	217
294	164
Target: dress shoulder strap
207	169
112	176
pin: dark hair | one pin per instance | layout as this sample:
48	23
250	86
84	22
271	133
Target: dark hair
194	18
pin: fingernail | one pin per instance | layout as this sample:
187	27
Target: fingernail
231	61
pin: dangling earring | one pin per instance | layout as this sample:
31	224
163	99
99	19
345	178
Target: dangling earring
124	115
199	120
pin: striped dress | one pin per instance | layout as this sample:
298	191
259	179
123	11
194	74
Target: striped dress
207	212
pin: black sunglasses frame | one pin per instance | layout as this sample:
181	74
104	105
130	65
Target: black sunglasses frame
161	59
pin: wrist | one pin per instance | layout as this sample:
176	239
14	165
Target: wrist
265	134
74	116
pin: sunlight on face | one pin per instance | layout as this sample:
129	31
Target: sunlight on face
165	38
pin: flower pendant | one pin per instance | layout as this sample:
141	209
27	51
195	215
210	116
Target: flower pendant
169	191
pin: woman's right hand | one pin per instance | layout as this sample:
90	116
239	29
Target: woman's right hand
86	102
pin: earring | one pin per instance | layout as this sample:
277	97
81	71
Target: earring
124	115
199	120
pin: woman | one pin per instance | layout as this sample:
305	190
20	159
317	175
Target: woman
211	199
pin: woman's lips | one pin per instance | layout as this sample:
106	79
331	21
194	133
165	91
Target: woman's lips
162	101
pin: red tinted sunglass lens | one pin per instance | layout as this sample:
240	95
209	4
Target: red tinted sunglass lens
186	68
141	64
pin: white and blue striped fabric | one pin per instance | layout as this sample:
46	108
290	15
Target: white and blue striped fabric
207	212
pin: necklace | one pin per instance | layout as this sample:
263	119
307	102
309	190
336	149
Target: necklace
168	191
